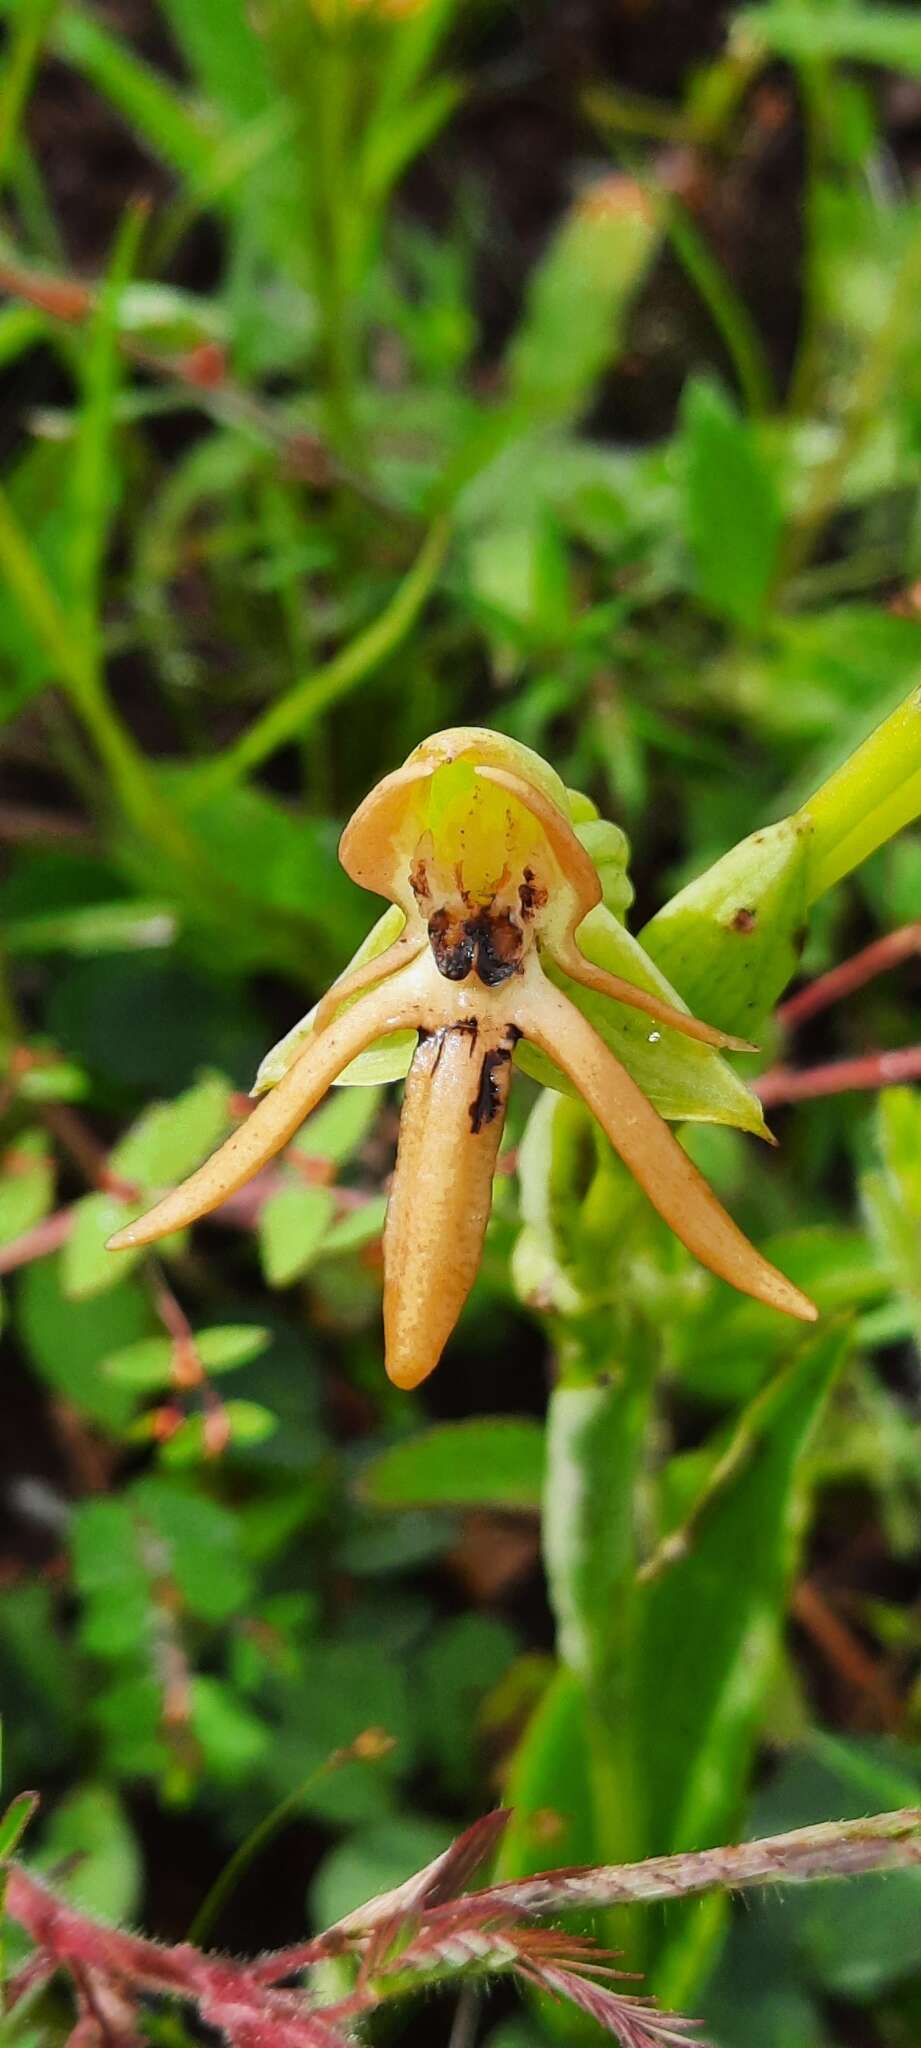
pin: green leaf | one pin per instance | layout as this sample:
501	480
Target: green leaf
248	1423
224	52
465	1659
342	1692
26	1184
867	35
90	1834
14	1822
518	569
111	1578
731	507
579	298
233	1739
339	1128
203	1546
151	106
892	1197
148	1364
291	1229
95	474
496	1461
731	939
172	1138
554	1820
356	1228
94	928
284	863
67	1340
87	1267
708	1635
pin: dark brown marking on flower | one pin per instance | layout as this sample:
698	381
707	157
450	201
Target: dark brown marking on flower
489	1100
531	895
499	949
490	945
744	920
418	881
453	945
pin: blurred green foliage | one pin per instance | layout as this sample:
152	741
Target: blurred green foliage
289	482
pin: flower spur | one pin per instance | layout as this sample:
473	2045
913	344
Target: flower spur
472	843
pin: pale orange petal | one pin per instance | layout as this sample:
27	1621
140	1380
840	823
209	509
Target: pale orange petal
404	949
648	1148
573	962
398	1004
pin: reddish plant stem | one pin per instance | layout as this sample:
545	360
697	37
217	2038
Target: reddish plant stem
852	974
81	1143
37	1243
872	1070
845	1654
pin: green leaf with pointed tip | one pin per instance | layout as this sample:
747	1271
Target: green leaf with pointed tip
553	1823
866	35
730	940
708	1635
578	301
15	1821
494	1461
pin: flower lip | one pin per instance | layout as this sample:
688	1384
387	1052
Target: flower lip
489	945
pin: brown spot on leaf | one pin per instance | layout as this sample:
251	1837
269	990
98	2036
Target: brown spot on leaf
744	920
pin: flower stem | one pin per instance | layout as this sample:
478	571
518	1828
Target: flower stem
597	1428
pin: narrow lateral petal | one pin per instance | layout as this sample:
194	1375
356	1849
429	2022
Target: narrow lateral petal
575	964
404	949
451	1125
648	1148
397	1004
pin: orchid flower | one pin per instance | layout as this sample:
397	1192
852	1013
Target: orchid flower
472	841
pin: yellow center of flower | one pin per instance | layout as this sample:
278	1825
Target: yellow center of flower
474	873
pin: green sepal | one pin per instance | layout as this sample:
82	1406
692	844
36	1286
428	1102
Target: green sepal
731	940
685	1081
